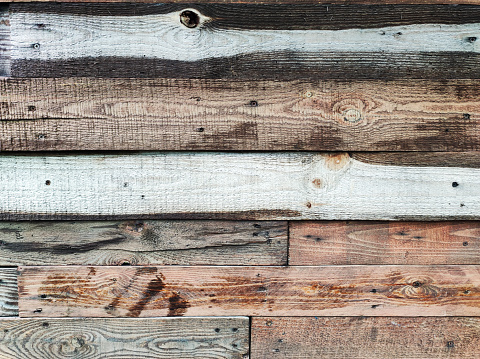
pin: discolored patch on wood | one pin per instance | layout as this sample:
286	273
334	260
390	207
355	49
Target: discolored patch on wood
154	288
336	162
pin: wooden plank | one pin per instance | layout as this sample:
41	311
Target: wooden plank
366	338
325	243
4	43
175	41
218	338
8	292
174	114
232	186
252	291
371	2
143	243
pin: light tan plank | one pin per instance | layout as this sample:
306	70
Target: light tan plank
8	292
253	291
366	338
232	186
324	243
175	114
143	243
215	338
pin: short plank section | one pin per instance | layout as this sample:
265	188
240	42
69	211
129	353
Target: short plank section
252	291
143	243
324	243
232	186
366	338
215	338
174	114
8	292
245	41
5	44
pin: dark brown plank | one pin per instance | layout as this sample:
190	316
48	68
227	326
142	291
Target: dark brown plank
351	242
80	338
253	291
174	114
143	243
365	338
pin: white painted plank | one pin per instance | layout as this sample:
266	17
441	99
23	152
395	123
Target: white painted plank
162	36
242	185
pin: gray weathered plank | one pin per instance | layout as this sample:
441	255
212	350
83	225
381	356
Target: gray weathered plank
213	338
352	242
67	114
366	338
143	243
232	186
5	45
253	291
191	42
8	292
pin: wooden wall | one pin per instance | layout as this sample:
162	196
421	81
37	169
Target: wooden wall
232	179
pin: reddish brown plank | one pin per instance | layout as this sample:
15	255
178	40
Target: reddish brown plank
365	338
254	291
356	242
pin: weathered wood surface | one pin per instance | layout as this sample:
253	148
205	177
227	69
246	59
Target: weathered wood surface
8	292
5	43
366	338
143	243
173	114
213	338
254	291
276	2
232	186
245	41
343	243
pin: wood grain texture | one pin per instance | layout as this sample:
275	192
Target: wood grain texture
344	243
174	114
155	42
8	292
231	186
342	2
143	243
4	41
252	291
366	338
212	338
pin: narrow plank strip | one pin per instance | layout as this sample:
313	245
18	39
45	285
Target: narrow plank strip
324	243
175	114
8	292
186	43
232	186
255	16
216	338
252	291
342	2
5	45
366	338
143	243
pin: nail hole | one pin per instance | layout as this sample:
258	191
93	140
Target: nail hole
217	330
41	137
31	108
43	296
450	344
189	18
48	183
253	103
454	184
373	291
46	325
471	39
466	116
465	244
200	129
416	284
36	46
38	310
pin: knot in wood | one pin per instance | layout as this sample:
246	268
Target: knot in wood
189	18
